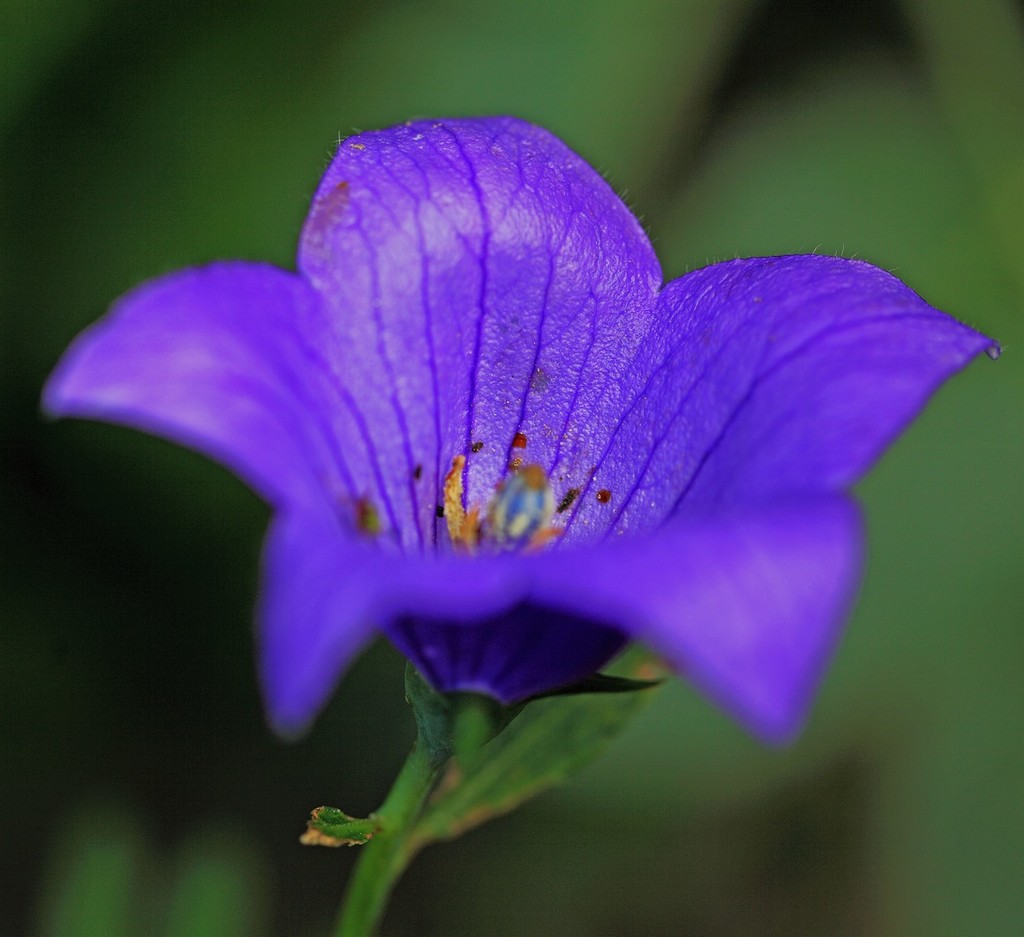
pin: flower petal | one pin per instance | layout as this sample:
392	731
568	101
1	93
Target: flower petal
747	605
485	282
222	359
465	624
320	598
774	376
512	654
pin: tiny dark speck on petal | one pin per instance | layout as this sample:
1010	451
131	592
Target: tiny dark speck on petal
570	496
519	441
417	472
439	510
604	496
477	446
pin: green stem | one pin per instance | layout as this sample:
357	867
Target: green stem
385	857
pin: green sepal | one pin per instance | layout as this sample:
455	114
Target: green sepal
453	723
601	683
329	826
541	746
433	714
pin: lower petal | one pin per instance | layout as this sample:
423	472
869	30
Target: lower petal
512	655
467	624
748	606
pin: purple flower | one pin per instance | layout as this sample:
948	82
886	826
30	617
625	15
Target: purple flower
488	431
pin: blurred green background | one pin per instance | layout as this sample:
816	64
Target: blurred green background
140	790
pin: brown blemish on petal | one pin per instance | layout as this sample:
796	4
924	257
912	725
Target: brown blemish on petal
336	201
519	441
327	210
604	496
567	500
477	446
367	517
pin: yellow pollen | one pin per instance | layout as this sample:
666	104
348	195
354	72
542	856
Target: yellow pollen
463	526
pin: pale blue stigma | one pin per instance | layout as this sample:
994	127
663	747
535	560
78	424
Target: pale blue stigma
521	509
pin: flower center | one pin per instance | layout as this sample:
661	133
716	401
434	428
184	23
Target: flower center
518	515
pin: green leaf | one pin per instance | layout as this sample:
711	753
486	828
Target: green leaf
329	826
548	742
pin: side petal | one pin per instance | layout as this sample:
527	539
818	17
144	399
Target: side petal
320	598
485	282
776	376
748	606
221	359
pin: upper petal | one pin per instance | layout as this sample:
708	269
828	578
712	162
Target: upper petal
775	376
485	281
223	359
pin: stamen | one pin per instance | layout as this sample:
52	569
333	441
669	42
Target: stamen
463	526
518	516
